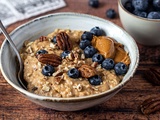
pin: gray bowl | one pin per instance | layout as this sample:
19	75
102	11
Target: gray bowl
45	25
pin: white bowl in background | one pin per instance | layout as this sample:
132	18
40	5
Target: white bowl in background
144	31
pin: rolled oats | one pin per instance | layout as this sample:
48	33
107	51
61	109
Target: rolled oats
60	84
29	50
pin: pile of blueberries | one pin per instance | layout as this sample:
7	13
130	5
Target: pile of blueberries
144	8
89	52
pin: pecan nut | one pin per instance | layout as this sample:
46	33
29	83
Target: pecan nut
150	105
42	38
51	59
63	41
87	71
58	79
94	64
153	76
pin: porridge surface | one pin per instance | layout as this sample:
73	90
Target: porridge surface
59	84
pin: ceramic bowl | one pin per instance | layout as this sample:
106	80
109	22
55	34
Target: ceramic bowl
144	31
75	21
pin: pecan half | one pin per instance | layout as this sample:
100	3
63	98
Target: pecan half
87	71
51	59
63	41
150	105
153	76
42	38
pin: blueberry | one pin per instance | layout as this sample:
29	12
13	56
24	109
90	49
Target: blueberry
150	9
48	70
140	13
54	40
97	58
110	13
141	5
150	1
154	15
65	53
128	6
108	64
73	73
120	68
89	51
93	3
96	31
156	4
41	52
87	36
95	80
84	43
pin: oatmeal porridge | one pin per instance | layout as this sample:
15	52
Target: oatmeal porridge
73	63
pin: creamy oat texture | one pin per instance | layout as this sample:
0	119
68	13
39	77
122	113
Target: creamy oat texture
60	84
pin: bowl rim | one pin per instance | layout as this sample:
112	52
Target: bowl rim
131	14
70	99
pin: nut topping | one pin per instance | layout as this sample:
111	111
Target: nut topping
151	105
87	71
153	76
51	59
42	38
94	64
63	41
58	79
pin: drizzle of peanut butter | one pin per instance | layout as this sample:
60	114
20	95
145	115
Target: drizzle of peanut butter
109	48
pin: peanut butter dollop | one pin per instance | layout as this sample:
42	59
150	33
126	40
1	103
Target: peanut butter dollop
121	55
104	45
109	48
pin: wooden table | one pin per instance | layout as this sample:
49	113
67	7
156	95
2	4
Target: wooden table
124	105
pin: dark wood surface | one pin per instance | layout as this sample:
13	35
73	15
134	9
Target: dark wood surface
123	106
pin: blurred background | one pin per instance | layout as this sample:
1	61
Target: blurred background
14	10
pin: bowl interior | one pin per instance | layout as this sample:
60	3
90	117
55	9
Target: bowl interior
46	24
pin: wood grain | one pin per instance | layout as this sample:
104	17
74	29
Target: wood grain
123	106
